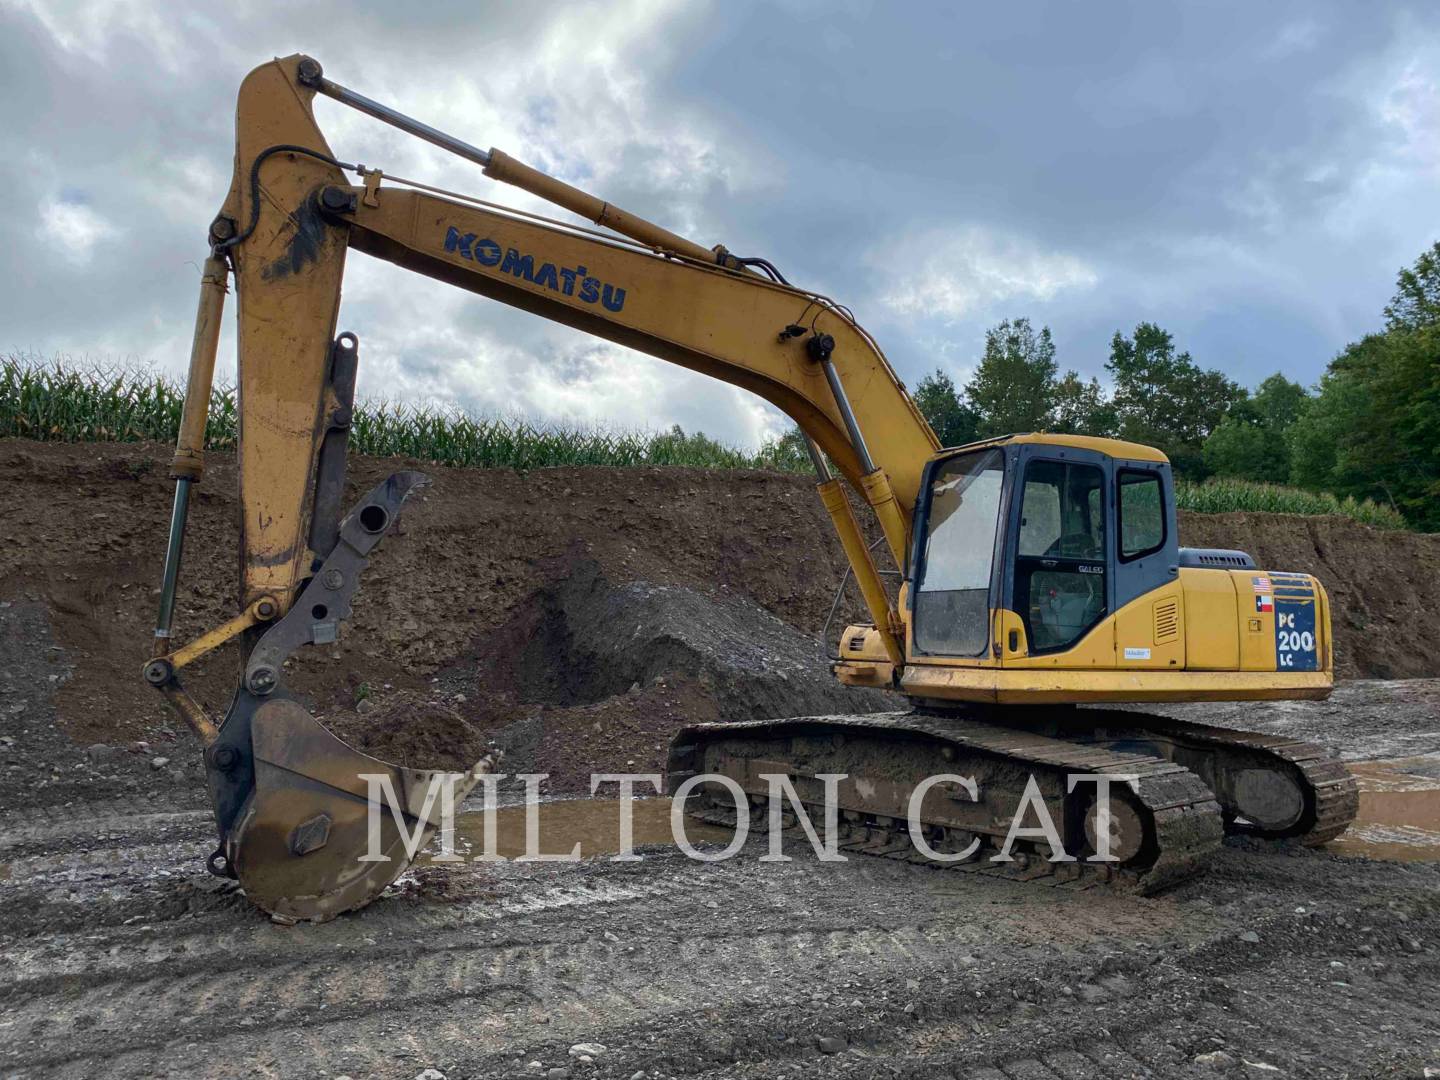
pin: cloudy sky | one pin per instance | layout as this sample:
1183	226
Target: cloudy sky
1249	176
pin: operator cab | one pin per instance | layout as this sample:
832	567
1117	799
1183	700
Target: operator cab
1060	529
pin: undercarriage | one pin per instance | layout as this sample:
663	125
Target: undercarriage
1018	793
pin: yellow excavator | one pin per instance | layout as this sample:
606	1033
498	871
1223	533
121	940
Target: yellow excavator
1039	574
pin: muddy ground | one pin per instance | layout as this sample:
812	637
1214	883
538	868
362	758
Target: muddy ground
574	618
119	956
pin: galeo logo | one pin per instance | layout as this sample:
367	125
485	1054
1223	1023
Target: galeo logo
565	280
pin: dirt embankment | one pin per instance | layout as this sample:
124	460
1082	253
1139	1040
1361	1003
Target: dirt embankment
491	579
575	616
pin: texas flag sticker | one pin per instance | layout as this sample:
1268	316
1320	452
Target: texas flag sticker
1264	602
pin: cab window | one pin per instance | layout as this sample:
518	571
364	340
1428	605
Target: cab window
1142	515
1060	553
952	602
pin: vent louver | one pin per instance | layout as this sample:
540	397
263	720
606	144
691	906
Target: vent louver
1222	560
1216	559
1167	621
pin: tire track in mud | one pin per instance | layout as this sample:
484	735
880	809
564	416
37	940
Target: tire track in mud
1155	1034
658	957
578	984
1286	1001
282	990
141	991
138	817
1159	1033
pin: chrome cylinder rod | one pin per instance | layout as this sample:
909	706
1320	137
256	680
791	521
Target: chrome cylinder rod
820	348
168	583
501	166
822	468
313	77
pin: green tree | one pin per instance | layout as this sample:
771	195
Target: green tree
1164	399
1279	401
949	415
1080	408
1013	389
1238	447
1316	439
1374	430
1416	302
1252	441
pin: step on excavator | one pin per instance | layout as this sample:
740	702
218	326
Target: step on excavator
1042	592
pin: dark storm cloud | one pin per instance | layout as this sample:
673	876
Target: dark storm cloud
1250	176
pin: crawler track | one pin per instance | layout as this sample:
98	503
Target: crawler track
1329	795
1187	776
1176	818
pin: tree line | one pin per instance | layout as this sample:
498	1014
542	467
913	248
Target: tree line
1369	429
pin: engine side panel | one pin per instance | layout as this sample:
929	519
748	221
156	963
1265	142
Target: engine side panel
1212	626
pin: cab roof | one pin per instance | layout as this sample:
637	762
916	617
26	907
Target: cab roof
1115	448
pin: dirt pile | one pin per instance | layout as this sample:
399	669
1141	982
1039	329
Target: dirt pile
585	639
576	616
590	676
86	527
414	730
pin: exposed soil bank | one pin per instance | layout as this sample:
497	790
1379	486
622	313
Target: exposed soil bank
575	617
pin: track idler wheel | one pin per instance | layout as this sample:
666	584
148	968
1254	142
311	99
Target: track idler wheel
1125	827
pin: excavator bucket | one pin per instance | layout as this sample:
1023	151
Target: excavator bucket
311	827
327	828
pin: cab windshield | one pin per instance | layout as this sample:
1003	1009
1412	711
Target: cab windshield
952	593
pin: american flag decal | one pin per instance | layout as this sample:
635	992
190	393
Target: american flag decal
1262	584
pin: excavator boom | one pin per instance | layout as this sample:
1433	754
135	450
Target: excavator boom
284	233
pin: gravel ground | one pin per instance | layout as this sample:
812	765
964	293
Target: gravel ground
120	957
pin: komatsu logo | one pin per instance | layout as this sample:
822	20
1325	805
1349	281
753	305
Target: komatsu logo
565	280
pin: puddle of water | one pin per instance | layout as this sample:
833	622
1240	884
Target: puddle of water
1399	811
592	823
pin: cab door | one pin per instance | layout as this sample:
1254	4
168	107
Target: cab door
1060	554
1149	601
1147	547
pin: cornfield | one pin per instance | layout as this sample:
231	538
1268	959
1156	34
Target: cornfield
72	404
1223	495
67	403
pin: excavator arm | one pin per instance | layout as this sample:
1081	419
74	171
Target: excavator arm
290	799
